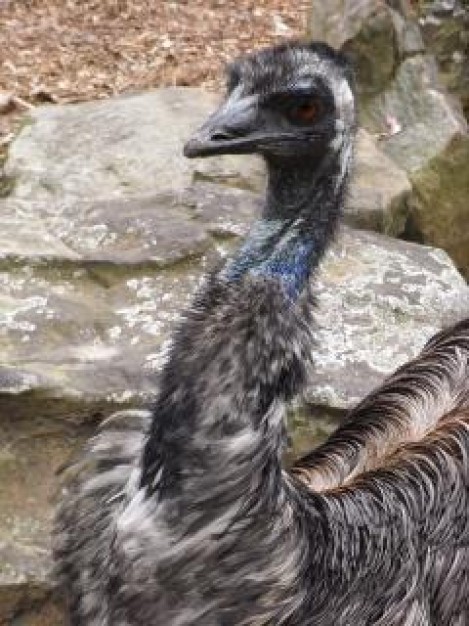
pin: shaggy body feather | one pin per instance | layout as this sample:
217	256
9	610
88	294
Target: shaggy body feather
244	543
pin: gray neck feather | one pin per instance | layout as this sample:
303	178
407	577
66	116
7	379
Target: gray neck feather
230	362
303	204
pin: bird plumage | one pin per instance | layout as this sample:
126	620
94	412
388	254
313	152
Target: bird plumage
184	514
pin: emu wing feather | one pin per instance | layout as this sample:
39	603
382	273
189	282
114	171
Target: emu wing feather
397	474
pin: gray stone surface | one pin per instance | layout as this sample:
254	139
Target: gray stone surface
93	327
378	198
132	146
31	451
338	21
433	148
380	299
428	118
443	185
445	27
403	100
160	228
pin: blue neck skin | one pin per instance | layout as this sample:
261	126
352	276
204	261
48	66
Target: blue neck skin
298	220
278	250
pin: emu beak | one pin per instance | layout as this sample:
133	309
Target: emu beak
230	130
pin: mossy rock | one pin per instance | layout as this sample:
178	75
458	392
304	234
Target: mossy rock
439	207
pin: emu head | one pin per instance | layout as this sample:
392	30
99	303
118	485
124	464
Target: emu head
292	100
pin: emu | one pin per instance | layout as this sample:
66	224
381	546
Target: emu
183	514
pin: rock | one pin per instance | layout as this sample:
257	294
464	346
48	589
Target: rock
445	32
48	612
378	197
308	426
126	146
373	51
433	148
161	229
49	213
92	328
409	38
338	21
244	173
444	186
85	336
429	120
68	315
30	454
224	212
380	299
372	33
92	288
399	82
376	34
25	232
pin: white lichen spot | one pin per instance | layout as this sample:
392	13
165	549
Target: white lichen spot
222	250
157	360
114	332
12	311
121	397
95	351
90	237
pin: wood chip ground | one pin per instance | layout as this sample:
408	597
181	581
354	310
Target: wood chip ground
62	51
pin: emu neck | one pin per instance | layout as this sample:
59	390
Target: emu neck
293	186
242	351
302	207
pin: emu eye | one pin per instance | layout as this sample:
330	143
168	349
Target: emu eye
305	112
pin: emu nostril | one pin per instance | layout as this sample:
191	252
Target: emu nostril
222	135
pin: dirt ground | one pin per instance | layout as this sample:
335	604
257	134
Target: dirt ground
73	50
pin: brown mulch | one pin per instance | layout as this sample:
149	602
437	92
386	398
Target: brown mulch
74	50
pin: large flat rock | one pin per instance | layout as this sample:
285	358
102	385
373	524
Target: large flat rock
31	452
121	147
380	299
91	323
132	146
161	228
